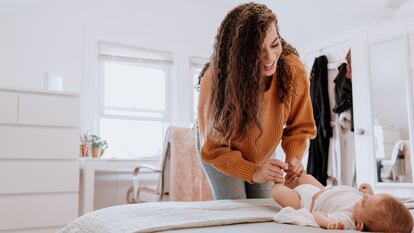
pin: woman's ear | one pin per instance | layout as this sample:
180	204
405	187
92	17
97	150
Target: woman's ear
359	225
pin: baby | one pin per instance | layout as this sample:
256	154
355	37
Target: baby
343	207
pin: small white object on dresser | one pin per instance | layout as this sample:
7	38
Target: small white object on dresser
39	167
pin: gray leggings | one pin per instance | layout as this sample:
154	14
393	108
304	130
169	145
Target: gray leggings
226	187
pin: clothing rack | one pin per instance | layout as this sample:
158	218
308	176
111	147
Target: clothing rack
334	65
329	51
333	45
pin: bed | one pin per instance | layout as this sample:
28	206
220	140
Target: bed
252	215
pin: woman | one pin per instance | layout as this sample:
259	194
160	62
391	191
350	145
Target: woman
254	94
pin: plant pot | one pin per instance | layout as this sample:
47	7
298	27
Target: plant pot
84	150
96	152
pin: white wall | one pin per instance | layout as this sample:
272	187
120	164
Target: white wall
58	37
61	37
40	40
405	11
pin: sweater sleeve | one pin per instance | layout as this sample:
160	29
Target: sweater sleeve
214	151
300	124
227	160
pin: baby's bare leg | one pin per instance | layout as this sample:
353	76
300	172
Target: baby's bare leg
292	184
285	196
308	179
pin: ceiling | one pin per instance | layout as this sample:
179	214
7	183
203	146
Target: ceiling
9	7
301	21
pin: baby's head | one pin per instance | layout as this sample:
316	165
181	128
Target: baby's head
382	213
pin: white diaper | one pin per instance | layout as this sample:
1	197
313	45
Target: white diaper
306	192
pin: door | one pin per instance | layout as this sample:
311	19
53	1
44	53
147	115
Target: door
383	108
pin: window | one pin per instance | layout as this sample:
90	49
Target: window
197	65
134	108
196	72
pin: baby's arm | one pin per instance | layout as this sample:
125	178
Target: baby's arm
304	179
324	222
285	196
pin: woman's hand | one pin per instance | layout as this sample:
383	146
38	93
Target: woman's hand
295	169
270	170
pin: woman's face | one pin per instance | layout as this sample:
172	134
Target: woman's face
272	48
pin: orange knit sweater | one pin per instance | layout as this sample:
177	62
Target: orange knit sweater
290	122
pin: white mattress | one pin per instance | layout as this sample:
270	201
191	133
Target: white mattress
265	227
252	215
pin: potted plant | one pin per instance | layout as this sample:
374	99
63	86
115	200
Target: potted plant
84	146
98	146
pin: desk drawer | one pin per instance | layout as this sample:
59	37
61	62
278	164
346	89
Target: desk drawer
37	109
8	107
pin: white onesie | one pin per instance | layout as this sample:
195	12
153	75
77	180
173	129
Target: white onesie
338	203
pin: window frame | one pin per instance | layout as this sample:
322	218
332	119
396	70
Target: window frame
101	96
196	63
165	120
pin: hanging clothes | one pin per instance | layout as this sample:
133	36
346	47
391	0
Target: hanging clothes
319	147
347	148
343	89
334	158
341	159
344	151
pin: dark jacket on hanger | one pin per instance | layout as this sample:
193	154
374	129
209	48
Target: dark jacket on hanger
319	147
343	92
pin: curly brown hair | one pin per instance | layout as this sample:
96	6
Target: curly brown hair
236	68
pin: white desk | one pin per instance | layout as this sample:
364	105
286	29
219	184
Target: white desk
89	166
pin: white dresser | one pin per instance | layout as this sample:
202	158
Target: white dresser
39	168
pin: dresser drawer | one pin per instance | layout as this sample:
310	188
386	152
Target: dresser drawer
26	211
27	142
41	176
35	230
8	107
37	109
